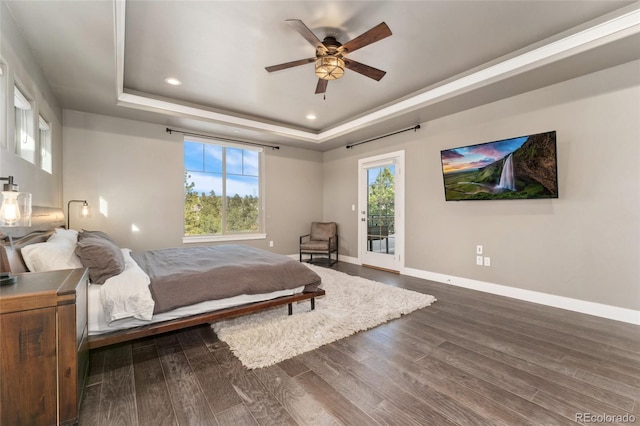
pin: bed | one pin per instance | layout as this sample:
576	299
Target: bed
137	294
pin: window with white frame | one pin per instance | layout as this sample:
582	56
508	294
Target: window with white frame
223	195
25	141
46	158
3	102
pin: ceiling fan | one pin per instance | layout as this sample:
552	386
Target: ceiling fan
330	60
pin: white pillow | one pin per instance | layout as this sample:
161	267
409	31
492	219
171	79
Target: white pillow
52	255
64	234
127	294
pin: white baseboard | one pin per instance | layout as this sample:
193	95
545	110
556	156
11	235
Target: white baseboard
349	259
590	308
576	305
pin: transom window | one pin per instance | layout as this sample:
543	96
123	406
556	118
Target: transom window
223	195
25	142
3	102
46	158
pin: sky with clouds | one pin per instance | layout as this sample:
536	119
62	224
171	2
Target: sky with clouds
203	162
477	156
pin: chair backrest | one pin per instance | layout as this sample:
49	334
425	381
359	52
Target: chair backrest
322	231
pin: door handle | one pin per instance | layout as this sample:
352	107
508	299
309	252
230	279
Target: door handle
363	219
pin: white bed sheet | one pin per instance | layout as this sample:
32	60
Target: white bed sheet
98	323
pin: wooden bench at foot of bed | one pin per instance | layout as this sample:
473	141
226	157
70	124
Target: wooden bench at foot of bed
120	336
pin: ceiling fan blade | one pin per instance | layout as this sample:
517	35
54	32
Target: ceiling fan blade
291	64
376	33
305	32
363	69
322	86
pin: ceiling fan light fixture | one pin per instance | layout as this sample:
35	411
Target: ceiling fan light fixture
329	67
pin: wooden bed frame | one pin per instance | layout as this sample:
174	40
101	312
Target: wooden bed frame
11	261
100	340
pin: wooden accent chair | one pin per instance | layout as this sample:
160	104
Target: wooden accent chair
322	240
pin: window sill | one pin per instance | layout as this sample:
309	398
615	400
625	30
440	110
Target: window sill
220	238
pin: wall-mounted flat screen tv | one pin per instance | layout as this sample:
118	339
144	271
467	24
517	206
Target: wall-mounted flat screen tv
518	168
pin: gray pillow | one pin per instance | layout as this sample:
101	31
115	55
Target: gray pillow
86	234
103	258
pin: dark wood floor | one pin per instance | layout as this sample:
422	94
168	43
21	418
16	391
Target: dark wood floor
471	358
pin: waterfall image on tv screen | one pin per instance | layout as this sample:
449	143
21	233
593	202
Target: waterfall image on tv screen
518	168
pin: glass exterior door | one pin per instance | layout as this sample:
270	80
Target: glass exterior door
381	216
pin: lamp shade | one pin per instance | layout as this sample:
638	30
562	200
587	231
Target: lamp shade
15	208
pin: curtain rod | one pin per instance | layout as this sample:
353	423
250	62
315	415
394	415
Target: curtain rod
170	131
414	128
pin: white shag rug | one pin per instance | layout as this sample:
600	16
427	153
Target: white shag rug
351	304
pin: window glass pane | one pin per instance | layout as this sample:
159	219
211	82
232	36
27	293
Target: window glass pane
194	156
212	158
251	163
234	160
25	142
46	158
243	205
203	204
381	209
3	102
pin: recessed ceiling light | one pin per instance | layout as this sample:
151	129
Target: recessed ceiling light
173	81
311	117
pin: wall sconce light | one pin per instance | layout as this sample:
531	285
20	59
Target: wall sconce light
16	205
84	211
15	210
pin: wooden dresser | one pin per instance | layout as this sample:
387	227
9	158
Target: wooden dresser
43	351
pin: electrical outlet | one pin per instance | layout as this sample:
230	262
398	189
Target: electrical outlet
270	243
478	249
487	261
479	260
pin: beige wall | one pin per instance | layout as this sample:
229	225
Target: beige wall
584	245
131	173
22	70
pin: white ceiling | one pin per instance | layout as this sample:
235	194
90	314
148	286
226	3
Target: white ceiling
112	58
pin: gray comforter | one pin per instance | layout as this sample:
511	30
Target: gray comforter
185	276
